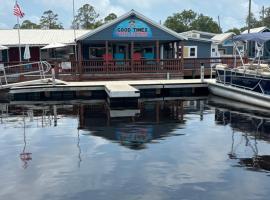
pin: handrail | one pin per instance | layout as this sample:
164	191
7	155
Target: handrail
42	66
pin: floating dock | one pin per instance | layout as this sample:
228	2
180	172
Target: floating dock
122	88
115	92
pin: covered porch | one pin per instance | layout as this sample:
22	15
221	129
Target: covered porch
131	57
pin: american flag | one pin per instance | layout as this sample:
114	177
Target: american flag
17	11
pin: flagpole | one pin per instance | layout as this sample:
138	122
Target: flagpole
19	36
74	29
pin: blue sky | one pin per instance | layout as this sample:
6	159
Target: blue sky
232	12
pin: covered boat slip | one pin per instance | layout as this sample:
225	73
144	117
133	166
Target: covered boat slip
131	44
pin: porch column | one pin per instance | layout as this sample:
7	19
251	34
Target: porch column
157	51
106	55
79	64
182	56
132	52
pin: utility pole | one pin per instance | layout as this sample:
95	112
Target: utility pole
263	13
249	15
219	23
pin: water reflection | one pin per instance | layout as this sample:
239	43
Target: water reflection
247	128
137	127
169	149
25	156
131	128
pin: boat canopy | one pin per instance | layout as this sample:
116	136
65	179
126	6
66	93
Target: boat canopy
255	37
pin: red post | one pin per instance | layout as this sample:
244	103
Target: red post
182	56
157	51
132	52
106	56
79	65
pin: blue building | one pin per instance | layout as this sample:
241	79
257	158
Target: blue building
198	44
133	44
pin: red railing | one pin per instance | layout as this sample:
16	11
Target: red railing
130	66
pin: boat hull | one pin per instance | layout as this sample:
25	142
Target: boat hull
241	95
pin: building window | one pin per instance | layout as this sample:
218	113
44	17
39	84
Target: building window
96	52
192	52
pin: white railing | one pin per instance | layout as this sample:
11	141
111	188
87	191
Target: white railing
27	69
232	74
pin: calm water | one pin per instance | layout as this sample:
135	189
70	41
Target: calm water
162	150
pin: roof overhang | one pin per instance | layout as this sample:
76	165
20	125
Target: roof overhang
140	16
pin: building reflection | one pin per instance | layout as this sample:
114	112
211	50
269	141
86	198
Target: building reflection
134	128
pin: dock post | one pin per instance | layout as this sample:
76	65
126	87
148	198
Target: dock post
53	75
168	75
202	72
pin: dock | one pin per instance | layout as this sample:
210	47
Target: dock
124	93
113	88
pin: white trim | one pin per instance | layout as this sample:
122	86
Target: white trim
216	53
138	15
196	51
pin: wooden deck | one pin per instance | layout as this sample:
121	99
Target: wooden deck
129	70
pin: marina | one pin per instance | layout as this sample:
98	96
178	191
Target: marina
145	100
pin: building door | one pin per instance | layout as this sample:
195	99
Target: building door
214	51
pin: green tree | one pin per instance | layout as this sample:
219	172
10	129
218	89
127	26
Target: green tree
181	22
49	20
110	17
234	30
27	24
86	18
266	18
254	23
205	23
16	26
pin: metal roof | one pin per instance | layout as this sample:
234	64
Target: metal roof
39	37
257	30
199	32
140	16
199	39
220	38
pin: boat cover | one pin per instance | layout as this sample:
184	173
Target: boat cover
255	37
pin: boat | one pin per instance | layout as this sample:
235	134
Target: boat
248	83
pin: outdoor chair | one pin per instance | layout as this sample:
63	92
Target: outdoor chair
119	56
149	57
137	58
108	58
